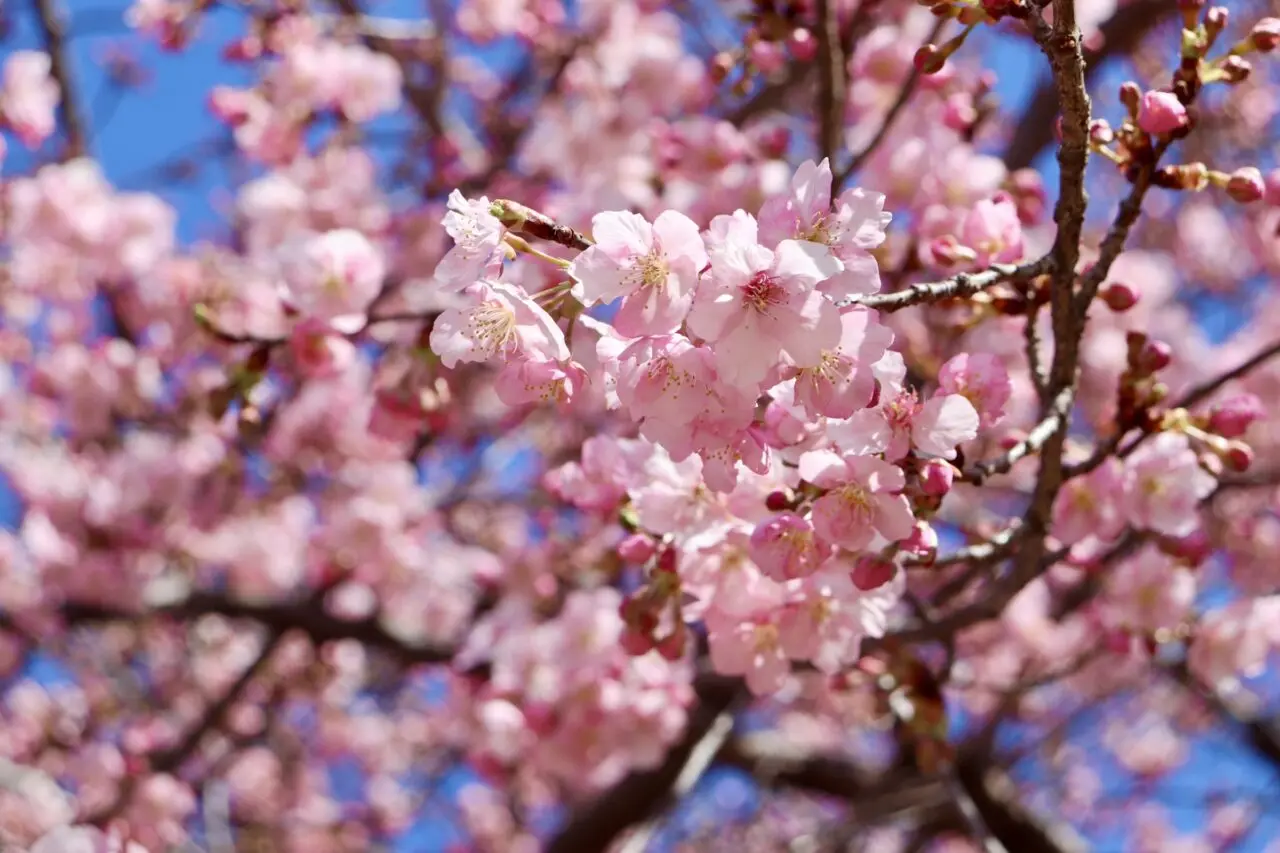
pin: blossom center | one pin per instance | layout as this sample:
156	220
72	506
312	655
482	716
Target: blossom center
653	270
493	326
763	292
818	232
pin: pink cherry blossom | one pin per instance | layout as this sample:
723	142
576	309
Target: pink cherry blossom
1164	484
333	276
785	548
653	268
993	230
758	301
1092	505
862	499
981	378
28	96
476	233
842	382
496	321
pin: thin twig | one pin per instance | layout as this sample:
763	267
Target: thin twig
960	286
890	117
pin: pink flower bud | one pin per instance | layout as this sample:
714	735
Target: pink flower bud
872	572
673	645
1100	132
1215	20
635	643
1246	185
767	56
923	541
779	500
1232	417
936	477
1161	112
1131	96
1154	356
1194	548
1265	35
636	548
959	114
1119	296
1238	456
929	59
1027	189
802	44
1236	69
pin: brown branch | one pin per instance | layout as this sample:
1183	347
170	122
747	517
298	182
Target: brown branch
1120	34
831	83
1051	425
641	794
306	616
959	286
171	759
53	32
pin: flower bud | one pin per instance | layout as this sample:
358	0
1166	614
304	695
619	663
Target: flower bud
872	572
722	66
1238	456
1131	97
666	560
635	643
936	477
1215	20
1194	548
636	548
929	59
1236	69
780	500
1265	36
1152	357
802	45
1246	185
767	56
922	543
1119	296
1232	417
1161	112
1100	132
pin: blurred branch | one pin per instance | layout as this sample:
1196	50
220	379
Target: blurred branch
306	616
890	117
1120	34
593	828
53	32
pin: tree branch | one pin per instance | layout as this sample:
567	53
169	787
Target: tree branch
306	616
1120	34
53	32
831	83
597	825
960	286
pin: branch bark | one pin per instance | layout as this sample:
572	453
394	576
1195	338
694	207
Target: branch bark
1120	34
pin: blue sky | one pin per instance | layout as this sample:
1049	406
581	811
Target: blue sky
167	119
